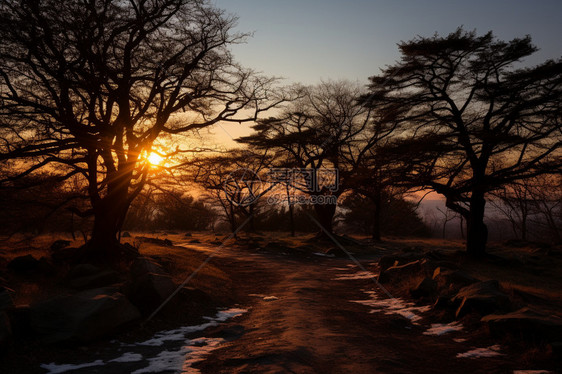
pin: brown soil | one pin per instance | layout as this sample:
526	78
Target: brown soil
311	326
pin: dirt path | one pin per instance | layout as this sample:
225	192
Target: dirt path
302	319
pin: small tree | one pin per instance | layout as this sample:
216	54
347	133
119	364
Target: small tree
488	123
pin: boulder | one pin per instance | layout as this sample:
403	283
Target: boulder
24	264
147	292
399	272
165	242
69	255
446	278
526	323
126	234
425	288
389	261
82	317
144	265
5	328
481	297
187	235
149	284
6	301
59	244
87	276
336	252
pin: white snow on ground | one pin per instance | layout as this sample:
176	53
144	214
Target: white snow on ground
55	369
323	254
166	360
443	328
358	275
128	357
481	352
393	306
193	350
270	298
224	315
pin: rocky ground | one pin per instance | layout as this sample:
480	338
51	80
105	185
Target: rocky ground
294	305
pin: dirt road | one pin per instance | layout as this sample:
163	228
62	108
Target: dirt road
302	319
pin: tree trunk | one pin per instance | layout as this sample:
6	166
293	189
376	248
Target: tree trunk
109	216
477	233
377	200
291	212
325	214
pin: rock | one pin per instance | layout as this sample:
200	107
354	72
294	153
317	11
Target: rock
446	277
24	264
68	255
399	272
194	295
149	284
195	241
336	252
149	291
126	234
165	242
59	244
481	297
5	328
82	317
388	261
187	235
6	301
86	276
526	323
144	265
275	246
425	288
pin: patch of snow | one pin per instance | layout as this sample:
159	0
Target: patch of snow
223	315
53	368
393	306
164	361
358	275
481	352
193	350
128	357
270	298
443	328
323	254
180	334
261	296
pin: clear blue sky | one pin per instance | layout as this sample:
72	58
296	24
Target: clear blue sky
309	40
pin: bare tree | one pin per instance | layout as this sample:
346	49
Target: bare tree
87	86
487	123
315	132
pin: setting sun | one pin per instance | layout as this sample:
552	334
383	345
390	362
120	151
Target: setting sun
155	159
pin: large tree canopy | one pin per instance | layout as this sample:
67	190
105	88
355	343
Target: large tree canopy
480	121
87	86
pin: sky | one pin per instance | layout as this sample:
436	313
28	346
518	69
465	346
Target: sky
308	41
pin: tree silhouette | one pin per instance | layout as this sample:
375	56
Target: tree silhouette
88	86
316	131
483	122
